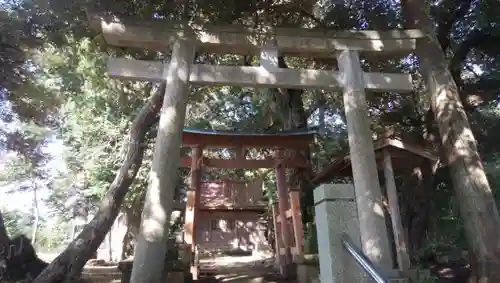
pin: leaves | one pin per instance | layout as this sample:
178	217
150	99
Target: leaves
54	85
17	222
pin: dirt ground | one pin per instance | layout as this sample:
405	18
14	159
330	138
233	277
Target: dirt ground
238	269
234	269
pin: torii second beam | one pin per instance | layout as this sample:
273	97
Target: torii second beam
202	74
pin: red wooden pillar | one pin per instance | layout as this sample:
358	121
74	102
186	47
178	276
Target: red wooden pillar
298	228
278	242
281	186
193	201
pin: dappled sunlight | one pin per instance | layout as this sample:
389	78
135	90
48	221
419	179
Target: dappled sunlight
231	194
378	210
230	231
222	215
139	70
112	246
214	194
225	228
154	217
244	41
159	34
257	76
458	138
369	198
372	249
269	59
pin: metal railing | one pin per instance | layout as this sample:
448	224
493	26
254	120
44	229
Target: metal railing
363	260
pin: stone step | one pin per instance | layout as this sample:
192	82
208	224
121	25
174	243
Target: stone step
101	270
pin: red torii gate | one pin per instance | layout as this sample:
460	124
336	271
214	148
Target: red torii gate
291	241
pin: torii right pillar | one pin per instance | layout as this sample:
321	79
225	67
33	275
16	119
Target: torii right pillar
373	231
286	263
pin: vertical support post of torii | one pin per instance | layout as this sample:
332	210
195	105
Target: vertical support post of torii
298	228
269	61
241	196
281	186
149	254
192	203
278	243
364	169
397	226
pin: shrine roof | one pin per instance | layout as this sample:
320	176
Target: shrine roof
231	139
404	156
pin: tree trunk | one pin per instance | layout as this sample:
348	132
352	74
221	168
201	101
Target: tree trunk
4	247
477	205
110	247
128	243
69	264
133	216
4	236
36	212
321	113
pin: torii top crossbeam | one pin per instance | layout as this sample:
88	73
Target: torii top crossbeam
159	34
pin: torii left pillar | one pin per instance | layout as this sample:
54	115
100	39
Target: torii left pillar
149	254
193	201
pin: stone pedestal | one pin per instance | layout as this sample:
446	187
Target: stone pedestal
336	214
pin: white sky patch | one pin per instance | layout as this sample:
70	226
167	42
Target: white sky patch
477	69
472	71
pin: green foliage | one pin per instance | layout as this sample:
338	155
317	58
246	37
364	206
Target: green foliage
50	235
423	276
53	235
17	222
96	115
446	228
54	83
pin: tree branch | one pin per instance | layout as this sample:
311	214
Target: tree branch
320	102
69	264
478	93
447	15
484	90
480	39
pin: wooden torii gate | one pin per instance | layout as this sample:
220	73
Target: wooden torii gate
290	238
184	39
